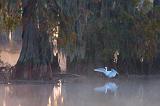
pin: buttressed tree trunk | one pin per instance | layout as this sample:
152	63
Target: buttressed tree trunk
36	54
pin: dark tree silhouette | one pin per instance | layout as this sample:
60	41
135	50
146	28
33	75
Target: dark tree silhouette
36	56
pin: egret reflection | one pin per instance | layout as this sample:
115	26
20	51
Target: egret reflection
110	86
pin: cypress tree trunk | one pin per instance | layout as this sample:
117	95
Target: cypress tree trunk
36	56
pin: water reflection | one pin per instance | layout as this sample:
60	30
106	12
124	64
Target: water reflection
57	95
25	95
129	92
110	86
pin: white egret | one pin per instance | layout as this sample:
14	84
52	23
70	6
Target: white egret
108	73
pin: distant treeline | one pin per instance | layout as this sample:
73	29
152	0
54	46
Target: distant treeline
103	27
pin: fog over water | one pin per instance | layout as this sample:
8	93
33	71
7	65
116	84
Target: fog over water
133	91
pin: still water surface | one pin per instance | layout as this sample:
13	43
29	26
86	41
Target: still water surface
84	91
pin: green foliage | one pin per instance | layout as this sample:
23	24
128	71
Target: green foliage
9	14
133	33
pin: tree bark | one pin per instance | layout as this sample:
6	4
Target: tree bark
36	54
